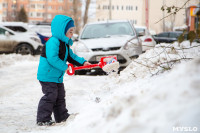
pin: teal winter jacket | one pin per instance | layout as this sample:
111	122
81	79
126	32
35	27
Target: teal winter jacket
51	66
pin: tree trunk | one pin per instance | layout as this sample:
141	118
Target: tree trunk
76	15
85	18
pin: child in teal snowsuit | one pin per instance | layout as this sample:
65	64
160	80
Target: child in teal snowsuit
51	69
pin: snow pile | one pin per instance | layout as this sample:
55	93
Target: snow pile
111	65
152	105
157	104
134	102
12	58
160	59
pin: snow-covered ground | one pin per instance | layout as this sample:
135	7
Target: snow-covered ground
141	99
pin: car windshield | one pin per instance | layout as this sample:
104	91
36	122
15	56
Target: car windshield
107	30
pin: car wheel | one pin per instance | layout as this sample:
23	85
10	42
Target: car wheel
24	49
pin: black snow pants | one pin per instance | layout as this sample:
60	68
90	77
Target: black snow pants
52	101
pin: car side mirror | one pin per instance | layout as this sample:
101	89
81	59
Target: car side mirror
76	39
141	33
75	36
7	33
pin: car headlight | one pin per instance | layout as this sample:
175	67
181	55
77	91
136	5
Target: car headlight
35	39
80	47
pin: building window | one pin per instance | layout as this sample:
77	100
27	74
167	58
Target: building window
113	7
14	6
36	0
4	14
21	6
49	7
99	7
131	7
117	7
60	8
71	8
40	6
122	8
5	5
105	7
38	14
135	21
136	8
60	1
32	5
13	14
49	16
30	14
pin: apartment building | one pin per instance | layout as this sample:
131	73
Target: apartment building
1	12
143	12
120	9
37	10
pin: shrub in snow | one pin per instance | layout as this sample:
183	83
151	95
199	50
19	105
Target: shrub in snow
160	59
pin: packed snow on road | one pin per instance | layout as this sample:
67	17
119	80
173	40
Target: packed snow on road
157	93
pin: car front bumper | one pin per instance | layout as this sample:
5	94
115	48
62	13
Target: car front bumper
123	56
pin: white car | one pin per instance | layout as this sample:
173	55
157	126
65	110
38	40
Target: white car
44	30
148	41
108	38
22	43
19	27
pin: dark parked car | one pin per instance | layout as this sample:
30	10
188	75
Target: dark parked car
167	37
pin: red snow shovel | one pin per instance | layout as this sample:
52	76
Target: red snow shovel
103	61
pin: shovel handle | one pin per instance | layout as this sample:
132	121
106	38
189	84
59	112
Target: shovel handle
71	66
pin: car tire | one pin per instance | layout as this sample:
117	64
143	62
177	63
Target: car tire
24	49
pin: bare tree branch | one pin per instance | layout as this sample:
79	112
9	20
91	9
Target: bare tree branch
173	12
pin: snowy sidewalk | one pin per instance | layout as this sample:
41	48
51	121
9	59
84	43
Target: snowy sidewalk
20	93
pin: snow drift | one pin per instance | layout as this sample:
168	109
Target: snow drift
145	98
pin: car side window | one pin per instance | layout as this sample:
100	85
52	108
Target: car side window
174	35
163	35
16	28
2	31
